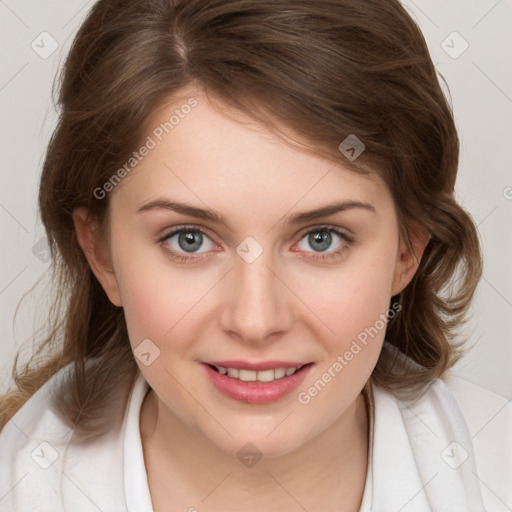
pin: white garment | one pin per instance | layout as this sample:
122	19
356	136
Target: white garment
451	451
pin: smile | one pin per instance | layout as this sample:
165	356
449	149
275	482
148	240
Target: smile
256	383
260	376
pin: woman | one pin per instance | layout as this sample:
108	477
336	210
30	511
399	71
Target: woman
261	267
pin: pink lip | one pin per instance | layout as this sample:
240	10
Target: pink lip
263	365
256	392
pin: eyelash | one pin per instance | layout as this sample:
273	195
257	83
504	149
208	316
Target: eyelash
338	253
180	258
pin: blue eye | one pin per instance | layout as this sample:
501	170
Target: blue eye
320	241
188	240
324	242
192	244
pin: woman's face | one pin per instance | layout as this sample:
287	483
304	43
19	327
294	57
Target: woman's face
231	249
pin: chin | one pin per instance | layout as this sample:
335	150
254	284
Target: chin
256	442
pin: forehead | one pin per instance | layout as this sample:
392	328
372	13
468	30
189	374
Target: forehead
205	151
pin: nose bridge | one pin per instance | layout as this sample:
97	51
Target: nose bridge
258	305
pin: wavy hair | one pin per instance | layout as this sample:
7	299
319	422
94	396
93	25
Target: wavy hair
324	69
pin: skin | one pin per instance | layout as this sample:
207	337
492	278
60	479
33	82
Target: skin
288	304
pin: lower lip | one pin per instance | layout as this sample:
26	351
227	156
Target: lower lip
256	392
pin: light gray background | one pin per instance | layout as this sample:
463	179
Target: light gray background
480	81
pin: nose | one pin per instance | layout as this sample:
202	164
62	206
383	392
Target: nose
257	306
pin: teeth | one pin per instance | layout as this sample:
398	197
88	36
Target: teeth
279	373
266	375
247	375
260	376
233	372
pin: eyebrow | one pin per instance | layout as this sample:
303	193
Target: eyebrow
213	216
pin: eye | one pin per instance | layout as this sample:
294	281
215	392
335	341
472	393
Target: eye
324	242
186	241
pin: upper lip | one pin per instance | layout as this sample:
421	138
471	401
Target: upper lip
260	366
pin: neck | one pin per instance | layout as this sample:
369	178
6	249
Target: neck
186	469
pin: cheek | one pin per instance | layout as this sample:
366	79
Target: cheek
153	299
367	297
353	298
355	306
166	305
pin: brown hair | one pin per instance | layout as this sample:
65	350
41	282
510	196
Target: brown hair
324	69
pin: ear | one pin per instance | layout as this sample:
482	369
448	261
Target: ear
409	258
95	249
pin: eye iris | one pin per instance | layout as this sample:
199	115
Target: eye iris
190	241
320	241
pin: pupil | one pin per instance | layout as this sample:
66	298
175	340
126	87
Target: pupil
190	241
320	241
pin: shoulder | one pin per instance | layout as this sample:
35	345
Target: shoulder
43	466
481	408
31	443
488	417
454	442
36	419
473	444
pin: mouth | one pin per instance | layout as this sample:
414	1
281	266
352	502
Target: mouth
247	375
256	383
